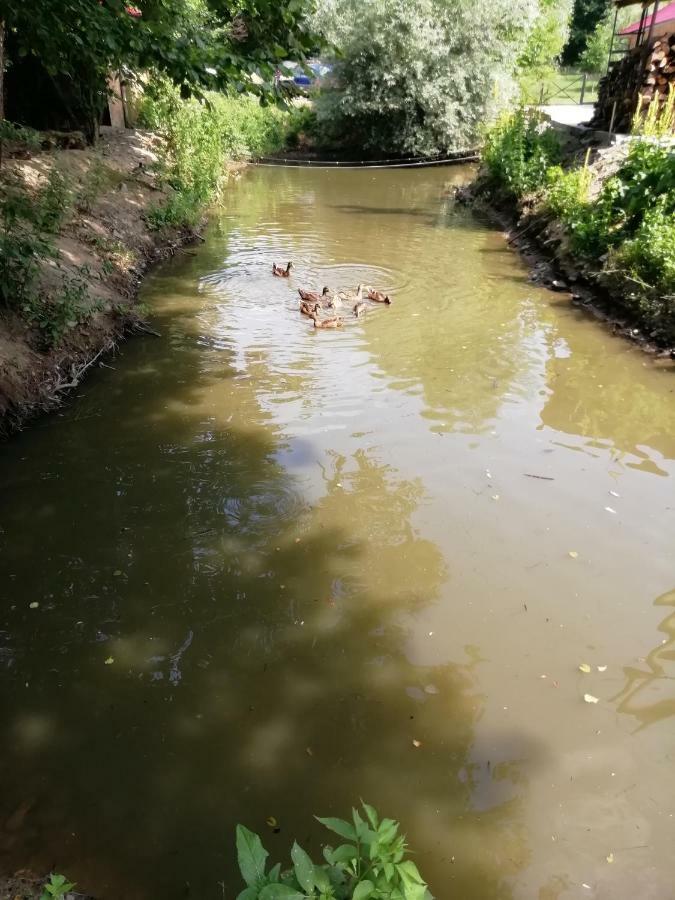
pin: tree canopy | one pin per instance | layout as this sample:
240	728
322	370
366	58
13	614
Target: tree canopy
199	44
420	77
585	17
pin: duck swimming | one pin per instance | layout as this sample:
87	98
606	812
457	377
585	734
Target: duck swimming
378	296
344	297
314	296
309	309
335	322
280	272
360	308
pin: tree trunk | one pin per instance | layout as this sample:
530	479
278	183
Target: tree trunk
2	79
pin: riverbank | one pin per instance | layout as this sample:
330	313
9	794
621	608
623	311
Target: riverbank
594	224
89	280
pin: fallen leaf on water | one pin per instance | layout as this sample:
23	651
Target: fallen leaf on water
589	698
601	668
117	572
584	667
109	661
614	494
610	858
431	689
271	821
33	605
495	496
309	751
417	743
573	554
610	510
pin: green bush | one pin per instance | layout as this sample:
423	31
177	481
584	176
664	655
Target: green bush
519	149
370	863
200	138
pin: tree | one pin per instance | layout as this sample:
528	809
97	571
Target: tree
199	44
419	77
596	53
585	17
548	36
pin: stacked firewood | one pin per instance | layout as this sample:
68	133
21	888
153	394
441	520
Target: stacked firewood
627	85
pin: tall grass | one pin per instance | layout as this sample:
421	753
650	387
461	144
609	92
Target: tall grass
201	137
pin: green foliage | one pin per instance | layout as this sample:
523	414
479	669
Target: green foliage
595	55
57	886
371	866
519	149
548	36
418	77
199	45
19	134
200	137
585	17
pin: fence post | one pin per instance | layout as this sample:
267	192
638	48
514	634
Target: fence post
583	89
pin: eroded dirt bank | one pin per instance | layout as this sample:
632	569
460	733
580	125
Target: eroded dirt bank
104	243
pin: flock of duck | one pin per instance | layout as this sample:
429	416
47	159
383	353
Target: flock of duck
313	304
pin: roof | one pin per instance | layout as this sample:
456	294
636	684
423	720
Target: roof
665	14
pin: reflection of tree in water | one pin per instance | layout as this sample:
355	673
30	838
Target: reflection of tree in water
257	644
649	696
609	398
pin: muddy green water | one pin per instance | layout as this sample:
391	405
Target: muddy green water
268	559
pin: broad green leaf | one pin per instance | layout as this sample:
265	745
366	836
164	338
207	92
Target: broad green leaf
280	892
328	854
364	834
304	868
389	871
344	853
372	815
274	872
321	880
249	893
339	826
387	830
363	890
251	856
409	872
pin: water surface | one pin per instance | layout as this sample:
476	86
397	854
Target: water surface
267	559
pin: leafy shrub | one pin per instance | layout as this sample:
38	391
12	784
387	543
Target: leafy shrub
200	137
519	149
416	77
371	864
57	886
19	134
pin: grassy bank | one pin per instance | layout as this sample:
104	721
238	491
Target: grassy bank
612	218
80	225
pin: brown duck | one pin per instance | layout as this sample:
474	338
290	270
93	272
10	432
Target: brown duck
378	296
309	309
335	322
314	296
280	272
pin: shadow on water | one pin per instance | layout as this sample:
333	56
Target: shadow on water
209	648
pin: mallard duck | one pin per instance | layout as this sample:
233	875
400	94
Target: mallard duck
378	296
280	272
335	322
360	308
345	297
309	309
314	296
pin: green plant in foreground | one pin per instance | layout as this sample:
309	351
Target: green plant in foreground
519	149
371	864
57	886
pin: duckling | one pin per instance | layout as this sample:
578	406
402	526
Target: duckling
343	297
280	272
335	322
360	308
314	296
309	309
378	296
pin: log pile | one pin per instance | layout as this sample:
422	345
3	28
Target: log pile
621	86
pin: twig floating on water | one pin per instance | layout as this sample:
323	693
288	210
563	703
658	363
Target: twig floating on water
540	477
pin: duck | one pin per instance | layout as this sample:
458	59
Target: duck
378	296
314	296
360	308
348	296
280	272
335	322
309	309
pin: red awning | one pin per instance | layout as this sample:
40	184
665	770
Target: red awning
665	14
